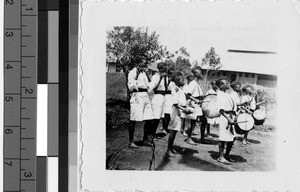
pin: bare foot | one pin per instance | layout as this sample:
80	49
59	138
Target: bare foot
223	160
170	154
147	143
132	145
173	151
190	141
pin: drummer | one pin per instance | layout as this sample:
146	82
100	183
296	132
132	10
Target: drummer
226	130
249	105
167	107
159	86
194	91
236	92
211	121
178	102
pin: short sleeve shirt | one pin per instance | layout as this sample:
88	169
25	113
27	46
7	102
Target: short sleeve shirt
235	96
154	81
225	101
249	100
178	96
141	82
194	89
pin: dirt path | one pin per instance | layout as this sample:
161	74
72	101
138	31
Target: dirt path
259	156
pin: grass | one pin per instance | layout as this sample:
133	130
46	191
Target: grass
116	87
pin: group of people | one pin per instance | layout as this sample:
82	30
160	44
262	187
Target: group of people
177	98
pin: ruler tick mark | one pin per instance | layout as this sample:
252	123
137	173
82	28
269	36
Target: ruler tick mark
25	118
11	158
28	97
13	28
12	126
23	149
26	77
28	56
12	94
29	15
13	61
26	138
26	36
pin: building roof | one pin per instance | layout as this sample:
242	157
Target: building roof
260	63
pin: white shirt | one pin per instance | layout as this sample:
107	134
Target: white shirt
178	96
154	81
141	82
171	86
250	100
211	91
225	101
235	96
194	89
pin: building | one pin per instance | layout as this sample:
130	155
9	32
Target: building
254	68
111	67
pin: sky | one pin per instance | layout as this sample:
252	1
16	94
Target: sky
250	25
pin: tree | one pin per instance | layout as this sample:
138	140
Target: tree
180	60
210	62
125	43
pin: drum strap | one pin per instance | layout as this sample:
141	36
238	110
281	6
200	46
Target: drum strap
231	127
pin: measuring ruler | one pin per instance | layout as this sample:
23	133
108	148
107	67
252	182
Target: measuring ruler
20	95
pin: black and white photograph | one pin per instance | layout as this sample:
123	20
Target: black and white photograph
194	95
164	106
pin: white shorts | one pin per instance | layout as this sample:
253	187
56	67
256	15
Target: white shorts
140	107
224	133
212	121
197	111
167	105
158	105
188	116
175	122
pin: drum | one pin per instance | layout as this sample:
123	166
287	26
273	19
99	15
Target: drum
210	106
244	123
259	117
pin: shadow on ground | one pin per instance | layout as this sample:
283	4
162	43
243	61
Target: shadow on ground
237	158
186	156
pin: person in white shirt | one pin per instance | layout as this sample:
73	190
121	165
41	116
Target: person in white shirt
195	93
167	108
226	120
236	92
159	86
140	105
249	105
211	121
178	102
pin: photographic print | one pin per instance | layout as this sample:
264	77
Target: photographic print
189	95
140	111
